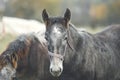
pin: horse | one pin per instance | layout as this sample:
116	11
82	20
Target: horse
36	64
80	54
10	57
27	59
8	71
21	59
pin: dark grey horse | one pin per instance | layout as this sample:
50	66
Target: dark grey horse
79	54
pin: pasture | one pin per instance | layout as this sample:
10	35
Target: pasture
5	40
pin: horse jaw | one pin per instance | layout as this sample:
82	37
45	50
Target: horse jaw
56	67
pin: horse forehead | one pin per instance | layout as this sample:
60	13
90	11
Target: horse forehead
56	31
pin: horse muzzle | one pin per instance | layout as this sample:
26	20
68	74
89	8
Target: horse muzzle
56	67
56	72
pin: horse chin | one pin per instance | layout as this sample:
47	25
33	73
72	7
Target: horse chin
56	74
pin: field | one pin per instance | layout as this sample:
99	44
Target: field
5	40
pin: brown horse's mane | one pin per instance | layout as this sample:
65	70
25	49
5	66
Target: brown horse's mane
28	55
16	50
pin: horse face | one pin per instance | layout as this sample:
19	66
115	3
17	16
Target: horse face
57	57
8	66
7	72
56	29
53	38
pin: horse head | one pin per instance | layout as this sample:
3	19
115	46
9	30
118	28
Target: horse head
57	34
8	65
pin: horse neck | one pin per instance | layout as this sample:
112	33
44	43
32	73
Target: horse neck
73	35
83	46
80	39
74	44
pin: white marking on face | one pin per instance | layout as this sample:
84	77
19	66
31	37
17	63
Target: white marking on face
56	33
56	30
56	65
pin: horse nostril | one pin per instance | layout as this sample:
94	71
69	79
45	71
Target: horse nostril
51	70
56	71
14	78
60	70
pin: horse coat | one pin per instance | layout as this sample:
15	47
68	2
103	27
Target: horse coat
80	54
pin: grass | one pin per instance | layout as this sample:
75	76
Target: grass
91	30
5	40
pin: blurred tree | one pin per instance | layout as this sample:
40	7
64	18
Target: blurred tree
114	12
84	12
2	8
31	9
98	13
79	9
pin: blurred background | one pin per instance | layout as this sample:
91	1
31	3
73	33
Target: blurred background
24	16
84	12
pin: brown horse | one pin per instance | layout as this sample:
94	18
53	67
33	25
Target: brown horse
27	59
10	57
7	68
23	56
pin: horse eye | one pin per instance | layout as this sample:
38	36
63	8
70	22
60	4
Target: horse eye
50	57
61	59
46	37
65	38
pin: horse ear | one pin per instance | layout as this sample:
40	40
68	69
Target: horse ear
45	16
67	15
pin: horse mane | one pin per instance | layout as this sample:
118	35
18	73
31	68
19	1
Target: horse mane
19	48
83	40
25	53
16	50
96	52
